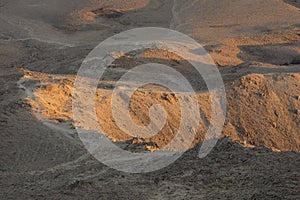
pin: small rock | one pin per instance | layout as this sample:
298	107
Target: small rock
59	120
274	125
164	96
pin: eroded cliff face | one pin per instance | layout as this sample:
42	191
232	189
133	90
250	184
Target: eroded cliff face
263	109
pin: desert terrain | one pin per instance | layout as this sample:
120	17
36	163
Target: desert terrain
256	47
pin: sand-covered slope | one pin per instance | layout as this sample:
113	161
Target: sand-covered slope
219	19
254	43
263	108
